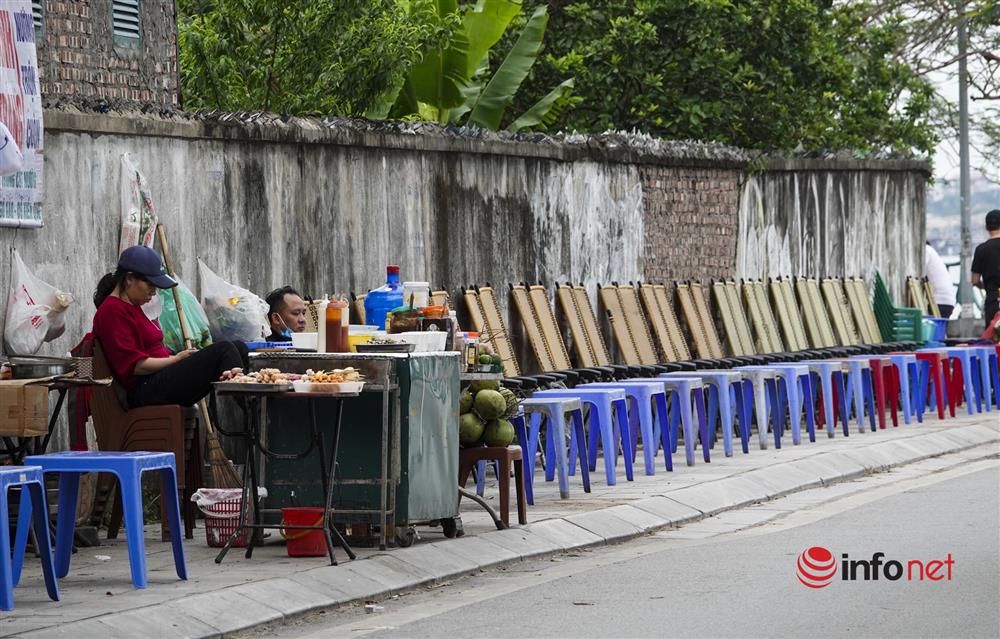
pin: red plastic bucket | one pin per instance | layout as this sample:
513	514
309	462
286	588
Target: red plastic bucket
303	543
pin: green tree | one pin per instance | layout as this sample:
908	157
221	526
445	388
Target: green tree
453	82
772	74
300	56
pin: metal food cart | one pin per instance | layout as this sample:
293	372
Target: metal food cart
398	461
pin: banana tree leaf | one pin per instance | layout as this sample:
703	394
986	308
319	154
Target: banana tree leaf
484	25
540	111
500	90
439	77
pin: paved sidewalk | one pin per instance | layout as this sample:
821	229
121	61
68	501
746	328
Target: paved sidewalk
99	601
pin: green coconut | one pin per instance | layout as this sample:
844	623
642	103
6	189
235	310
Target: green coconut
486	384
465	402
499	432
490	404
470	429
511	399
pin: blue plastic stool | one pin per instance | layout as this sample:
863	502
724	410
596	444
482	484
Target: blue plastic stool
760	398
528	427
643	395
603	402
794	391
29	478
832	377
967	359
725	402
987	356
908	370
859	389
685	390
128	468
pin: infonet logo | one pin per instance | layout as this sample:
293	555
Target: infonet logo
816	568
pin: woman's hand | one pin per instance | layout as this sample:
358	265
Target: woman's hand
151	365
184	354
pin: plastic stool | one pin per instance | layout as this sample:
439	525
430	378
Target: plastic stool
965	373
760	396
686	390
554	409
128	468
906	385
832	381
882	372
794	390
29	478
933	370
858	387
602	402
505	457
725	401
985	355
643	394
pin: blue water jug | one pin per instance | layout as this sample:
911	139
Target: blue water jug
382	300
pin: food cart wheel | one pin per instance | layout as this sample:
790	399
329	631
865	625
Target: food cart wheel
406	536
451	527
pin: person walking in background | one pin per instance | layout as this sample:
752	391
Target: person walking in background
986	266
940	280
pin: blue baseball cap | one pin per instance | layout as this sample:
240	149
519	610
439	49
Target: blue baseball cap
146	262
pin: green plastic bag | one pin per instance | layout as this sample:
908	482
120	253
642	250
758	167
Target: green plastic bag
197	322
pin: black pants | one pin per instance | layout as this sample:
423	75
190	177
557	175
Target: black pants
990	308
190	379
946	310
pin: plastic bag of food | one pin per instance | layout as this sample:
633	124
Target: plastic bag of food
197	322
234	313
34	311
138	215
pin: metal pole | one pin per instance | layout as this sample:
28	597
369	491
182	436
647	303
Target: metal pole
964	284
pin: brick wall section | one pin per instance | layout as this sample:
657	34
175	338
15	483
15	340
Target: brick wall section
77	55
691	222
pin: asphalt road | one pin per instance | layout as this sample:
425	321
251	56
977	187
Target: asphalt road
737	585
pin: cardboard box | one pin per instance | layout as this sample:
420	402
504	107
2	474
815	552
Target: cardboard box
24	409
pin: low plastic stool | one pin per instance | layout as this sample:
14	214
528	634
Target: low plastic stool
965	376
643	394
794	390
606	404
859	389
832	382
760	396
528	426
128	468
686	390
906	385
505	456
29	478
882	372
987	356
725	401
933	371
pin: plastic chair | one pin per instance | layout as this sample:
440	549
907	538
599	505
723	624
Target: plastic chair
725	402
128	468
644	395
30	479
528	426
169	428
606	405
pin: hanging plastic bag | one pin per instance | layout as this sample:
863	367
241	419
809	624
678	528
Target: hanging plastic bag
137	211
234	313
11	159
35	311
197	322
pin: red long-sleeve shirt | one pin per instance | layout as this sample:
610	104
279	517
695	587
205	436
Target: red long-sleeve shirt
127	337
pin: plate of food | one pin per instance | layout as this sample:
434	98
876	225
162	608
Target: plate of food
266	380
340	380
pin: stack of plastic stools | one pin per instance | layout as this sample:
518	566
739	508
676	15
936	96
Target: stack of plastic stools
725	402
760	395
643	394
686	390
859	390
989	373
832	387
528	426
605	404
793	389
128	468
906	385
966	378
933	375
881	378
29	478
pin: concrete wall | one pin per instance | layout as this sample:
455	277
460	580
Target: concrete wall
324	206
78	56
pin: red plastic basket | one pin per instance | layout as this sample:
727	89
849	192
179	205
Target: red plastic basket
220	524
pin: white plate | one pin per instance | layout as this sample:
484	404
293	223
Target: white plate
342	387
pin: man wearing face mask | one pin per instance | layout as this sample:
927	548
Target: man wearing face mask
286	313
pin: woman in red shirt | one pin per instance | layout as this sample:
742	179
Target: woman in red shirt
133	343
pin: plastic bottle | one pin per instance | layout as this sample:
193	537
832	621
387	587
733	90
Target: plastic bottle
321	326
379	302
336	327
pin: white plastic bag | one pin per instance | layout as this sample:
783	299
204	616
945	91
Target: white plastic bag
11	159
234	313
34	311
138	214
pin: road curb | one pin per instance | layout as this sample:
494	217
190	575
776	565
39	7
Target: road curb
402	570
